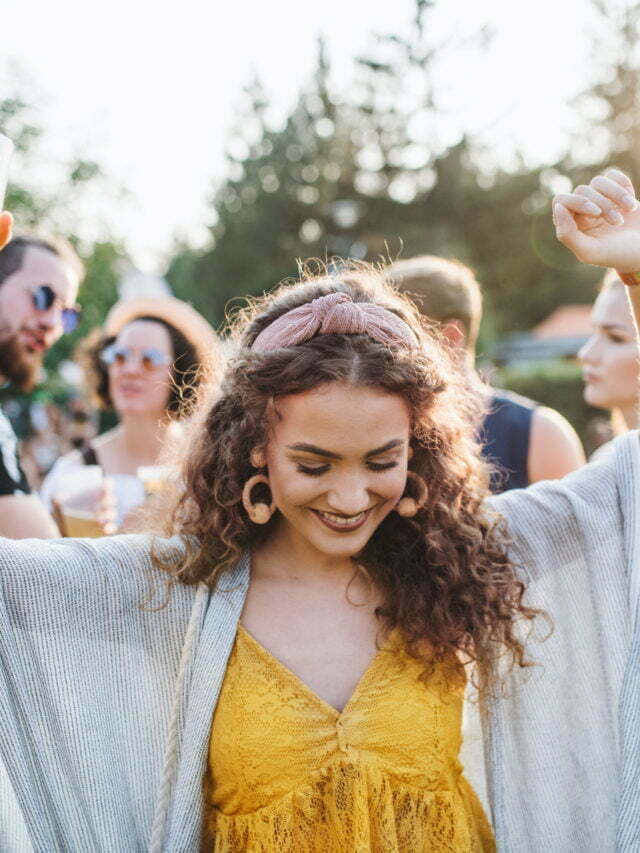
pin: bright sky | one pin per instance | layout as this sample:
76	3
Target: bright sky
149	89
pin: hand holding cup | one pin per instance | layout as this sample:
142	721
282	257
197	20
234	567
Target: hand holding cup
88	506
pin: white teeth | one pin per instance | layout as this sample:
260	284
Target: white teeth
340	519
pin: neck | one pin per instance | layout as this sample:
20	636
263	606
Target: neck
289	557
630	416
144	437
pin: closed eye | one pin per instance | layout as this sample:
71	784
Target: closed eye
318	470
382	466
313	471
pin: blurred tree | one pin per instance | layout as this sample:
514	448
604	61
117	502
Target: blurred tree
610	107
289	194
445	201
35	209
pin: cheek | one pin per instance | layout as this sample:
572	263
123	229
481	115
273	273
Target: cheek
160	389
16	308
289	486
618	361
391	485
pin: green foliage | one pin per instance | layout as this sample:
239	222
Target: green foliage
611	105
557	384
34	209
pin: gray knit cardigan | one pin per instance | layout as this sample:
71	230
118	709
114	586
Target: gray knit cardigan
106	707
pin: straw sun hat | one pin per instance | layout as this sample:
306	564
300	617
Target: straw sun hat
178	314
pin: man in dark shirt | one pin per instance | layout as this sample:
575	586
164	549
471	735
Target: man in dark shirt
525	442
39	282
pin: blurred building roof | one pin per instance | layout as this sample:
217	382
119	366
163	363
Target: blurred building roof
560	335
567	321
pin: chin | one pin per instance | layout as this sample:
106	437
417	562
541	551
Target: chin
341	545
340	550
131	407
597	400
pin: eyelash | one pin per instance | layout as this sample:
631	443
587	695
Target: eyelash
317	472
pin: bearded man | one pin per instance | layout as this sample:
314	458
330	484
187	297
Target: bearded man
39	282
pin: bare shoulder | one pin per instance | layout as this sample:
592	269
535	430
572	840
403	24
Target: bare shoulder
554	447
25	517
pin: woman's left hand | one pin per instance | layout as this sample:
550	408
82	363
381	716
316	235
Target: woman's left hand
600	223
6	224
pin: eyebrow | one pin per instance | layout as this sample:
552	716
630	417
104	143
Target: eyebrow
318	451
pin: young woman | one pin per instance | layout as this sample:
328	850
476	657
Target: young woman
146	364
333	565
610	356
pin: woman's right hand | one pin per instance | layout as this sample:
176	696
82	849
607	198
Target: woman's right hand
105	507
6	224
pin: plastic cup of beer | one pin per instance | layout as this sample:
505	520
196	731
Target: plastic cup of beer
6	150
76	503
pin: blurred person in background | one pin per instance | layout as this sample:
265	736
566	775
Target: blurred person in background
45	443
525	441
39	281
610	357
146	365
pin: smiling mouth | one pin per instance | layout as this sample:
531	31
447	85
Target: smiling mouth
34	341
342	523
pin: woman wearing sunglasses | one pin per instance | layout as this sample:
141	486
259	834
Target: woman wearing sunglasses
146	366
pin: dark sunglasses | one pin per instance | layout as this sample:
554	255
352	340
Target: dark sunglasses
150	359
45	297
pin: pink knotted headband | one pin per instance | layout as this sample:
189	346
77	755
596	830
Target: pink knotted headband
335	314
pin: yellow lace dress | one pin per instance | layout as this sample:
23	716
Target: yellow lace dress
290	774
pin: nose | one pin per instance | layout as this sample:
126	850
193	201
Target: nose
50	322
588	353
50	318
132	366
350	495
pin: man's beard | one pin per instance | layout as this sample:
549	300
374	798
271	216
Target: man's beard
17	365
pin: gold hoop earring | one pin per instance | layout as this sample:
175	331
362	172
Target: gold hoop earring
260	512
407	507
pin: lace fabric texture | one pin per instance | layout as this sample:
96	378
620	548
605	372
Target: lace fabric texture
290	774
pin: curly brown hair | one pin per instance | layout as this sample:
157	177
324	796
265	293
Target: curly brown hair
444	575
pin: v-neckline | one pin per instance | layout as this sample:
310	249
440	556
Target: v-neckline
304	687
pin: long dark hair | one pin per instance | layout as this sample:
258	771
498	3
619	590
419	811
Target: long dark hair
445	577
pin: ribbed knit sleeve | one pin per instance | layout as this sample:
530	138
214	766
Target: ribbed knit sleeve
87	675
559	745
